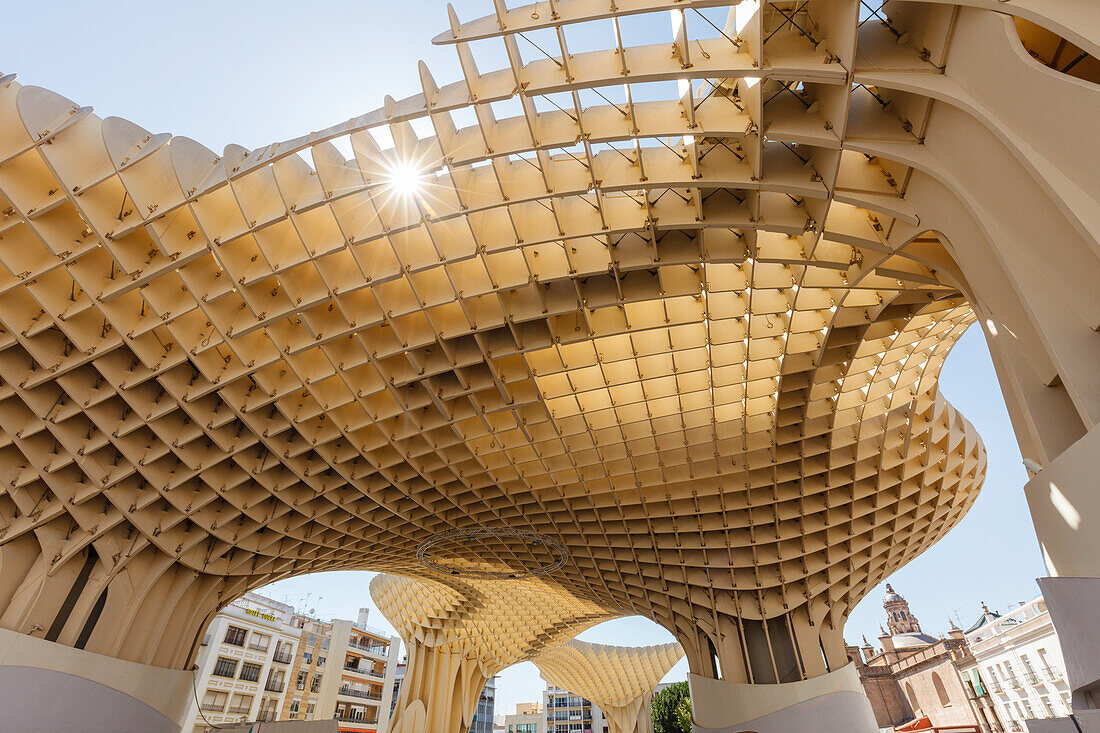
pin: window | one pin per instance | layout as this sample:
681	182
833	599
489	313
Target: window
268	709
259	642
225	667
282	652
242	704
1047	706
250	672
235	635
301	683
1027	707
912	696
214	701
941	691
274	680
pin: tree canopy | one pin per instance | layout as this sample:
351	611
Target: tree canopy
671	709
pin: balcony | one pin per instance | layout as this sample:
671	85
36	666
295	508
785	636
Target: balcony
210	707
275	686
369	671
282	657
370	649
360	721
206	640
1032	678
1053	674
257	647
238	710
364	670
345	690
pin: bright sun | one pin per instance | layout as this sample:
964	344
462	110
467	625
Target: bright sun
406	178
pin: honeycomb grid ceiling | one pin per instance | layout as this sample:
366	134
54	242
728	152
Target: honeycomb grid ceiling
670	330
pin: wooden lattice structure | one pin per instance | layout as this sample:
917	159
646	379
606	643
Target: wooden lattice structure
620	680
677	305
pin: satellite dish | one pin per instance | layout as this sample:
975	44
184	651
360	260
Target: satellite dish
312	611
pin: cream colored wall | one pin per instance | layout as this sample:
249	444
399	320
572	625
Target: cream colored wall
717	704
165	691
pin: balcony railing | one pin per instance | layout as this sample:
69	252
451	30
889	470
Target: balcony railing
360	721
238	710
1032	678
373	649
257	647
344	690
1052	673
273	686
282	657
212	707
369	671
232	641
206	640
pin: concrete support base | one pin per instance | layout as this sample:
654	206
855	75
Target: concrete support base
1086	722
1072	603
832	703
51	687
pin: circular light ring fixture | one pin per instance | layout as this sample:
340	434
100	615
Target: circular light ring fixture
556	548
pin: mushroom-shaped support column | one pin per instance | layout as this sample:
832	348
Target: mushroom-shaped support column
619	679
460	632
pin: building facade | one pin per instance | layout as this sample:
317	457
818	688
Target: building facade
262	661
528	718
910	680
345	670
1015	667
243	664
570	713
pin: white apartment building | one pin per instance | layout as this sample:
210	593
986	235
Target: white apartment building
1016	666
243	664
569	713
344	670
262	661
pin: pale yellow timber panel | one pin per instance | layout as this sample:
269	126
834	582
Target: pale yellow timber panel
460	632
690	325
620	680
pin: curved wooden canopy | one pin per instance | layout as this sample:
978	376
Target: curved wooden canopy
656	301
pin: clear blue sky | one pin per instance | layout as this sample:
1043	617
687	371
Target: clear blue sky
252	73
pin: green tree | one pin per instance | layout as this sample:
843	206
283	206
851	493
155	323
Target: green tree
671	709
683	715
